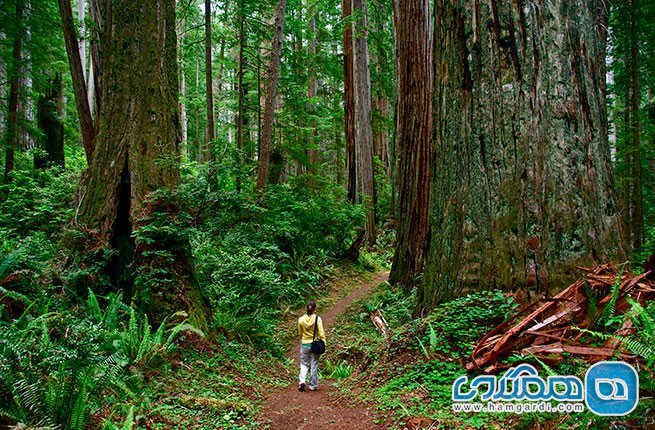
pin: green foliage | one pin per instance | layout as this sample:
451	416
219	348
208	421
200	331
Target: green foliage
341	370
56	364
454	326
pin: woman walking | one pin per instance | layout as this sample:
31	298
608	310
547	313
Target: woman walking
310	328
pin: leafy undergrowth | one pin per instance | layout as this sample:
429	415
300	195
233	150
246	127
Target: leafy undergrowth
75	352
203	386
410	375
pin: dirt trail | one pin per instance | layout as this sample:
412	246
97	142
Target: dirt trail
288	408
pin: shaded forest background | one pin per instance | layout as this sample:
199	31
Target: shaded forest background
181	170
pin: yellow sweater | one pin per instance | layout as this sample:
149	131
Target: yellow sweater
306	328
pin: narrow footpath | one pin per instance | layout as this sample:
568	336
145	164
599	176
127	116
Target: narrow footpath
289	409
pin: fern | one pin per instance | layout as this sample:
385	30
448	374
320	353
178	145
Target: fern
610	307
631	343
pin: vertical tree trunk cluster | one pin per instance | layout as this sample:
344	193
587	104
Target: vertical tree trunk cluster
414	136
137	146
359	132
522	188
273	76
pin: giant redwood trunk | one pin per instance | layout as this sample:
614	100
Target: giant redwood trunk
137	152
414	136
523	190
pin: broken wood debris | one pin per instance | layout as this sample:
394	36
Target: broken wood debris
380	323
550	328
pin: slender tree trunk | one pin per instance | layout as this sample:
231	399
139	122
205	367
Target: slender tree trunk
137	152
634	127
81	12
414	137
312	89
525	192
363	119
94	76
271	95
211	129
50	122
349	99
183	114
77	75
14	75
241	107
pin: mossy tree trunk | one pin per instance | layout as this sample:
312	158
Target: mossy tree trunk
523	188
137	152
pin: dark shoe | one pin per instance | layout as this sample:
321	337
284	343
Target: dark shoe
301	387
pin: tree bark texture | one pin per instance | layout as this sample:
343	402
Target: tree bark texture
268	120
77	75
137	150
523	190
414	136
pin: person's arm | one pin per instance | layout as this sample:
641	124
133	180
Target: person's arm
299	330
321	332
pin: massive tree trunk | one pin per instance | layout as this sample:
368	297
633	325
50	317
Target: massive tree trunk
49	118
269	102
414	136
14	75
349	98
523	190
77	74
137	152
365	189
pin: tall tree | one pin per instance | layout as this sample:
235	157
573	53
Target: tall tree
521	194
137	150
14	75
273	76
414	136
209	84
363	163
349	98
312	89
77	74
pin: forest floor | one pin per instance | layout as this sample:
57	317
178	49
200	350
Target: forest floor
326	408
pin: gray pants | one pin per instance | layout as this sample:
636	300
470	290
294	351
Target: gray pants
308	363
